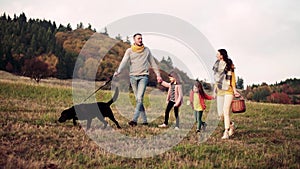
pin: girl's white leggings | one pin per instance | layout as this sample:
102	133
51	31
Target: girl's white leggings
223	107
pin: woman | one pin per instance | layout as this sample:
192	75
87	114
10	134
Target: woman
225	88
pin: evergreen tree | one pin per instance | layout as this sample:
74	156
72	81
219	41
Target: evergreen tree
170	62
127	40
22	18
80	25
54	28
105	32
69	62
3	17
89	26
240	83
119	37
62	28
33	43
23	40
69	28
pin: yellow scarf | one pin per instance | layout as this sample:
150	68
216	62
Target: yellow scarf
137	49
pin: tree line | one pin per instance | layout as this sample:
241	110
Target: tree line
40	49
285	92
28	47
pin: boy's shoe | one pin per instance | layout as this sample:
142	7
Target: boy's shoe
204	126
197	131
132	123
176	128
145	124
231	129
225	134
162	125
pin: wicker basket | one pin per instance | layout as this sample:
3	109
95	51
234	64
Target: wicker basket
238	105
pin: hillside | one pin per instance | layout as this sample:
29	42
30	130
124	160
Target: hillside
39	49
90	49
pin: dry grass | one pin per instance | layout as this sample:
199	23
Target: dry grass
267	135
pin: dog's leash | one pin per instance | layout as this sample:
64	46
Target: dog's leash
109	80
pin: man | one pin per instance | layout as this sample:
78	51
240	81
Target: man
140	59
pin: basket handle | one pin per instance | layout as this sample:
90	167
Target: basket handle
239	97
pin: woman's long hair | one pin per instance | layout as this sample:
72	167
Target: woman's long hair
227	60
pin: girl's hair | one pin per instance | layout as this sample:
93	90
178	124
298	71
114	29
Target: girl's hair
229	63
175	76
200	88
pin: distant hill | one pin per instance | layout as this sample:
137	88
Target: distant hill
40	49
285	92
93	49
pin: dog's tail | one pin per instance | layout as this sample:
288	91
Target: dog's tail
114	98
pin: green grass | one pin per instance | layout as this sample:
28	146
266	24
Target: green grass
267	135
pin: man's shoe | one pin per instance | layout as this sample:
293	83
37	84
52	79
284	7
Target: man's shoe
145	124
132	123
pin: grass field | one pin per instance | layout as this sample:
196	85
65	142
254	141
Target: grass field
267	136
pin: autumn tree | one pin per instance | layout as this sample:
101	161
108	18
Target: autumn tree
261	93
35	68
89	69
279	98
40	67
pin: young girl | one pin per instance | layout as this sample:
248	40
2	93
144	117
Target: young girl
174	98
197	96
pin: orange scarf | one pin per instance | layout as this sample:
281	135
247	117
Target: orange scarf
137	49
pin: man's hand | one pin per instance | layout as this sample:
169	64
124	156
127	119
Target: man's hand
116	74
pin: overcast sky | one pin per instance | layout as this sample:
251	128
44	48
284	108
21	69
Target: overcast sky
261	36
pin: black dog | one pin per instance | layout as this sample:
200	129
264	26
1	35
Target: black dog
90	111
